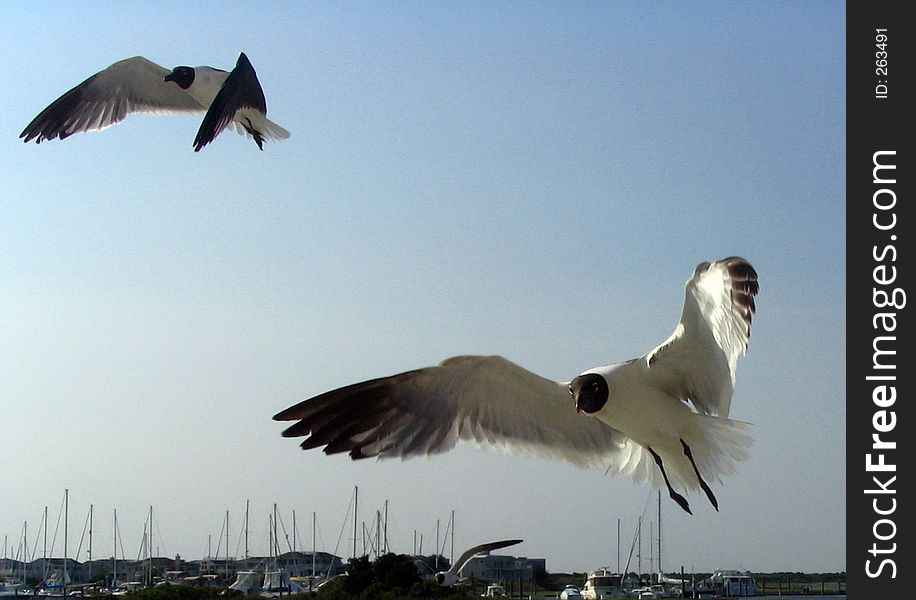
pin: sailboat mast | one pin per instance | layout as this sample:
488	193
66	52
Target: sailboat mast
114	545
246	528
276	537
651	551
386	527
618	544
451	557
378	533
66	515
659	533
44	550
639	550
150	544
227	542
355	519
25	547
90	542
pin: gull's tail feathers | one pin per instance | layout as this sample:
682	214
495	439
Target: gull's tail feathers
259	128
722	443
274	131
716	444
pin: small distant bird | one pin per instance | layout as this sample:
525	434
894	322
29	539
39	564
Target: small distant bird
232	99
452	576
667	408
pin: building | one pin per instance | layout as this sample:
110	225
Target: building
293	564
498	567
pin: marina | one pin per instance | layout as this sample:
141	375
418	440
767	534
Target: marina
293	570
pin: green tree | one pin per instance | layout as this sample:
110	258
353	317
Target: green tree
391	577
180	592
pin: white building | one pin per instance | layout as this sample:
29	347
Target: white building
499	567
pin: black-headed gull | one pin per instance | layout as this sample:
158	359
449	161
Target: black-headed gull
233	99
668	408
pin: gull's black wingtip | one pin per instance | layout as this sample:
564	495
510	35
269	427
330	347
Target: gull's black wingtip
202	140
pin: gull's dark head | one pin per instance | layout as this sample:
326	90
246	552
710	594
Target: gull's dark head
182	76
590	392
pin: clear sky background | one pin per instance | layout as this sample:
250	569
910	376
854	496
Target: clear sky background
536	180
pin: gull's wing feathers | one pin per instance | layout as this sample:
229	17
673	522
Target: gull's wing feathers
472	552
486	400
130	85
699	360
240	90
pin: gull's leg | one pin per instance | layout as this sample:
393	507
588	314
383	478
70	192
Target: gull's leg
709	494
682	502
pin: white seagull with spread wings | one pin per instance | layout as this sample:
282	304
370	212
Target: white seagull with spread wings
234	99
668	408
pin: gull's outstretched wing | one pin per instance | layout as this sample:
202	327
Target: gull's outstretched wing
130	85
481	549
699	360
240	90
486	400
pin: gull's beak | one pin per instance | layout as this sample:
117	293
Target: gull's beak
575	396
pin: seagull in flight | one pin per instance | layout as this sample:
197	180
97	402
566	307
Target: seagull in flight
452	576
664	413
226	99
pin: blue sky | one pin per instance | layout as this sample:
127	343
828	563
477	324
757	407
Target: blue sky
527	179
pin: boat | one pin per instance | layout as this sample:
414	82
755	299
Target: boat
650	591
12	587
308	582
122	589
494	590
602	584
247	582
730	584
570	592
56	584
277	584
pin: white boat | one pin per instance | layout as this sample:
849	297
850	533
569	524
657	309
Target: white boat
650	592
247	582
603	584
494	590
276	584
122	589
732	584
570	592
